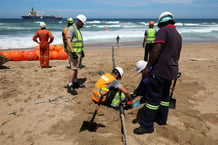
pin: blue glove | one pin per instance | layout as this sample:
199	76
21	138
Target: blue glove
145	81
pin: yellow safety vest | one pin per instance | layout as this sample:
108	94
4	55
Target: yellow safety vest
101	87
150	35
77	41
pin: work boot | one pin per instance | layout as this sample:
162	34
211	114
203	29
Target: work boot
71	90
142	130
77	85
81	66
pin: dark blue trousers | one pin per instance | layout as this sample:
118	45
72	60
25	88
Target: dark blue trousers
157	102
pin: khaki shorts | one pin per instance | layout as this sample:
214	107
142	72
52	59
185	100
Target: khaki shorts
74	63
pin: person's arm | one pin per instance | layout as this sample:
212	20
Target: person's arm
144	40
121	88
70	33
51	38
35	37
155	53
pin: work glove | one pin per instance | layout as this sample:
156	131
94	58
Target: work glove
145	81
74	55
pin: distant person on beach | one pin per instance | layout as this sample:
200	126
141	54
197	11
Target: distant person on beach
64	37
75	45
118	40
161	69
45	38
109	86
148	41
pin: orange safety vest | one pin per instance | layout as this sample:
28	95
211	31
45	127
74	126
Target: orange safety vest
65	32
101	87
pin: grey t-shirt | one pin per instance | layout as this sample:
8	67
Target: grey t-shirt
70	32
114	84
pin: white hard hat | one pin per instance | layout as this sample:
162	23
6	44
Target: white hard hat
42	24
120	71
82	18
165	16
140	65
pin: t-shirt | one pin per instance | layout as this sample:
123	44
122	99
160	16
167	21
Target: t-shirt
166	66
114	84
70	32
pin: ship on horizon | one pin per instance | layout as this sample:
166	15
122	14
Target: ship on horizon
33	15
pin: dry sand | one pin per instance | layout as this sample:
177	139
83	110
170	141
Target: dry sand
27	117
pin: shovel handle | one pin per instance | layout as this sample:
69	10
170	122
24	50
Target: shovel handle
98	105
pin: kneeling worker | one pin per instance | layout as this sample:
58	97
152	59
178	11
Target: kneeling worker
110	88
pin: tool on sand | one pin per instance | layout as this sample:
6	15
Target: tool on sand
91	125
173	100
113	59
123	124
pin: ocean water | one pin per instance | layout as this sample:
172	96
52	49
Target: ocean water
18	33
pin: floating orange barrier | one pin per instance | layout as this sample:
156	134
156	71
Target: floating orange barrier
30	55
54	54
63	55
17	55
7	54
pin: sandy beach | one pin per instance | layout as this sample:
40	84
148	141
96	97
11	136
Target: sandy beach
35	108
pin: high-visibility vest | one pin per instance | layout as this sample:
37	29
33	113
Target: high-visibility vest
65	32
77	41
150	35
101	87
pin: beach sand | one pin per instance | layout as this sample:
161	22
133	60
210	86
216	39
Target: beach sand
35	108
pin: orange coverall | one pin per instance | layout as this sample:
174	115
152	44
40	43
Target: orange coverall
45	38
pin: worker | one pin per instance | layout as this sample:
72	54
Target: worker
141	89
111	89
161	69
64	37
75	46
64	33
148	41
45	38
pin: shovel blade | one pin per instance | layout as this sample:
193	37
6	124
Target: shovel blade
172	103
89	125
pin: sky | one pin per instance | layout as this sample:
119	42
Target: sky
111	8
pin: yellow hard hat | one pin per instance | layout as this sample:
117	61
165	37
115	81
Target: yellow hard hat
70	20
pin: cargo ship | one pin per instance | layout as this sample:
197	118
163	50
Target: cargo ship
33	15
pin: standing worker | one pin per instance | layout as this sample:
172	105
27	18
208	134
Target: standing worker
45	38
75	45
64	37
64	33
149	38
161	69
109	84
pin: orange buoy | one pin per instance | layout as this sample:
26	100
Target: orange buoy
37	50
17	55
7	54
54	54
52	47
30	55
63	55
58	48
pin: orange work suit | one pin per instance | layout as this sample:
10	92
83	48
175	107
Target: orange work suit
45	38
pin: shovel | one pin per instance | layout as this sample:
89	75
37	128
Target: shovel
91	125
173	100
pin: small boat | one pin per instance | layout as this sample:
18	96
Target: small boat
33	15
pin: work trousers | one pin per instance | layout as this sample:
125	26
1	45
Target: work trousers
148	49
44	54
157	102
